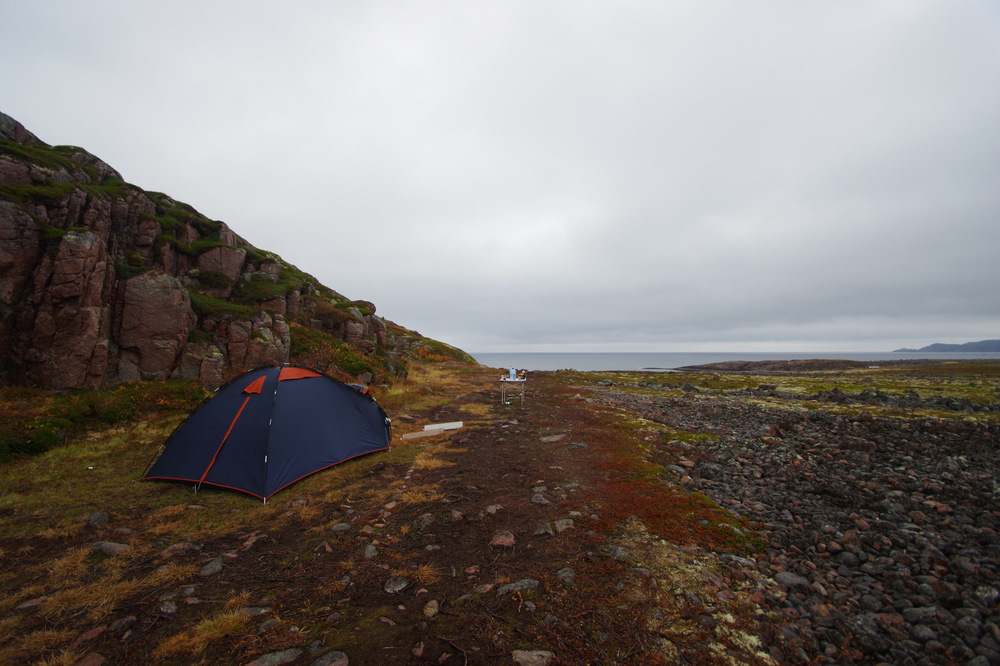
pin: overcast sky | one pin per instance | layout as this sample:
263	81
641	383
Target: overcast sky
565	175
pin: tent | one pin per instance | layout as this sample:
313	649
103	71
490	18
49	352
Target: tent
270	428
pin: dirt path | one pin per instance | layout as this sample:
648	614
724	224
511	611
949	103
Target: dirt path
500	540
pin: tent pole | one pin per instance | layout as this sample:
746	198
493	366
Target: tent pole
150	463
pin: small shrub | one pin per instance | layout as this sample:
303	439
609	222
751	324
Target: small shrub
214	279
47	156
329	313
258	289
33	421
209	306
126	271
196	336
204	244
48	233
51	194
316	349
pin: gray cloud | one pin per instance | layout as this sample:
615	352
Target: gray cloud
657	176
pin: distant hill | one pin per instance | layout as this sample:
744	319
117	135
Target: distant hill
981	346
103	282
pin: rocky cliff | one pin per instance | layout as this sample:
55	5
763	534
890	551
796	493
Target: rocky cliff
102	282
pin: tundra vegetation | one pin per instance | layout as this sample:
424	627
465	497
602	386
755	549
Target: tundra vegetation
72	584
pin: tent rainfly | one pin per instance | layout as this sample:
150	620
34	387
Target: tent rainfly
269	428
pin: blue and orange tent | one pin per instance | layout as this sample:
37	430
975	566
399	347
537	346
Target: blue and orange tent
269	428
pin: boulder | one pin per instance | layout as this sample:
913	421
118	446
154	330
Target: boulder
146	233
225	260
12	173
204	364
155	322
269	270
352	332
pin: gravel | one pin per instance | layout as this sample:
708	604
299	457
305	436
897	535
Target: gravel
882	531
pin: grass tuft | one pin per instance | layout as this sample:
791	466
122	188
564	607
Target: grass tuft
194	641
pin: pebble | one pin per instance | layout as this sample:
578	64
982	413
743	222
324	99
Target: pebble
31	603
276	658
503	539
396	584
254	610
532	657
179	548
110	547
566	575
97	519
546	529
789	579
332	658
212	568
523	584
564	524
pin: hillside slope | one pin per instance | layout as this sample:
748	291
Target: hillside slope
980	346
102	282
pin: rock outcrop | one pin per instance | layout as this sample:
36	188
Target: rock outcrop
102	282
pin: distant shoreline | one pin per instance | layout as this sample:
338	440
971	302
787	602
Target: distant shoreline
668	361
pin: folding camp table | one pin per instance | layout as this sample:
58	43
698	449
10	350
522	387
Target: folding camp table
511	384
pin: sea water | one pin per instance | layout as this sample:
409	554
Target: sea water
670	360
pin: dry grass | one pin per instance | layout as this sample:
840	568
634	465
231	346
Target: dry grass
426	457
21	595
63	531
420	494
194	641
238	601
163	514
427	574
96	599
69	568
8	626
310	513
427	462
34	645
170	573
427	385
478	409
62	658
442	447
